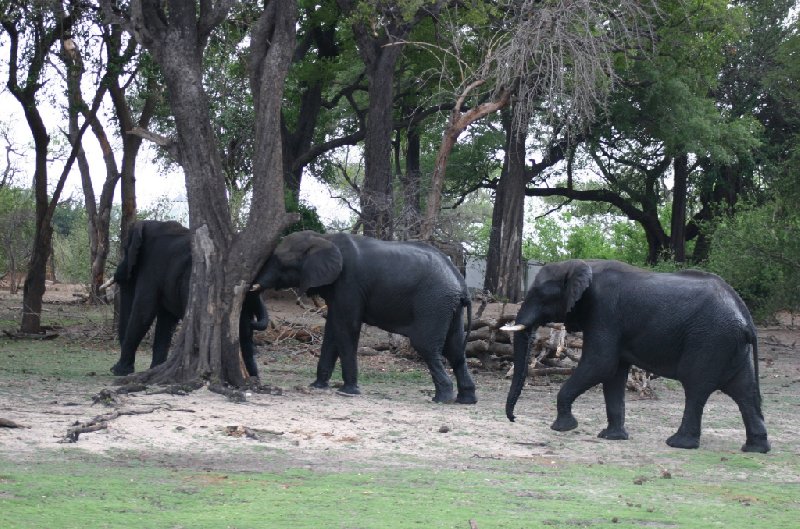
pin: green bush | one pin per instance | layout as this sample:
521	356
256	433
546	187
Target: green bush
758	252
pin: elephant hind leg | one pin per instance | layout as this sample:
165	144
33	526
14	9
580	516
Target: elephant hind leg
454	352
431	352
165	327
743	389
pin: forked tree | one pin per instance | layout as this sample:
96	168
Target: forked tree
176	33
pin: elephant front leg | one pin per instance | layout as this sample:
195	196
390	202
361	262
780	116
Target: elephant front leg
327	359
614	394
141	317
586	375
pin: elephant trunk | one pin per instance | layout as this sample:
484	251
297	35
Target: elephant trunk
522	357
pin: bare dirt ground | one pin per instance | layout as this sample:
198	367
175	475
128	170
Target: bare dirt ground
393	421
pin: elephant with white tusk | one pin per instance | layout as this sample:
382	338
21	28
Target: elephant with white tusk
690	326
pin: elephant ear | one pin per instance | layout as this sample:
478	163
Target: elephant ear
135	240
578	278
322	264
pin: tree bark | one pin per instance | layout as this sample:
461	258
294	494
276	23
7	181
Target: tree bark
459	121
43	37
678	228
512	216
223	262
410	180
376	191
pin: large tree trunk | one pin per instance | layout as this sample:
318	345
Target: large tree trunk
223	262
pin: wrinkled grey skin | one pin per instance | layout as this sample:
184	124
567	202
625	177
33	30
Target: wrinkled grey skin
153	279
689	326
402	287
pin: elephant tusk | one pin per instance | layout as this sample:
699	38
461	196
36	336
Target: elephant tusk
107	284
256	287
513	328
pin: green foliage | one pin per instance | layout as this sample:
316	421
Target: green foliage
71	252
758	252
597	236
17	225
309	218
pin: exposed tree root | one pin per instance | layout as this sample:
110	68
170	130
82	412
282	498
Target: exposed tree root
100	422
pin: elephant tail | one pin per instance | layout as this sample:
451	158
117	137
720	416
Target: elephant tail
752	337
466	302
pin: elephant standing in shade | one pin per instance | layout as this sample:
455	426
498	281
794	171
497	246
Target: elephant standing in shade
690	326
153	279
409	288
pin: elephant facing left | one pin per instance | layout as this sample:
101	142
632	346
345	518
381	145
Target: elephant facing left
153	278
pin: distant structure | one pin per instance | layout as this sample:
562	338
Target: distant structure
476	272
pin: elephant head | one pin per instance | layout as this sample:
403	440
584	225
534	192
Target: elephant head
554	294
303	259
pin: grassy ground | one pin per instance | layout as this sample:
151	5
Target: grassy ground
285	485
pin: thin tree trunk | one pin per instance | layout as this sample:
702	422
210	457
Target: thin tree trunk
513	213
410	180
458	123
678	227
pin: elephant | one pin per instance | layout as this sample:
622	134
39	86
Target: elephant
690	326
409	288
153	279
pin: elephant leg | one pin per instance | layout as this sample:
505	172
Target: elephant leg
327	358
743	389
142	314
593	369
688	434
454	352
614	394
340	339
248	352
162	337
430	346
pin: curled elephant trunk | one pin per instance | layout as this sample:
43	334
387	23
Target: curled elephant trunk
522	357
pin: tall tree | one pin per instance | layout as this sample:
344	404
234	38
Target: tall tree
33	30
380	51
176	33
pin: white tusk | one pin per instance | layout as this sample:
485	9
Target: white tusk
107	284
513	328
255	287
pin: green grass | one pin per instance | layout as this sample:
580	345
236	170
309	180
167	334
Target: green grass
56	358
101	493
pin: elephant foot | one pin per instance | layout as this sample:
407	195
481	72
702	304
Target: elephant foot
758	444
348	390
319	384
467	397
444	397
564	423
614	434
680	440
121	370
